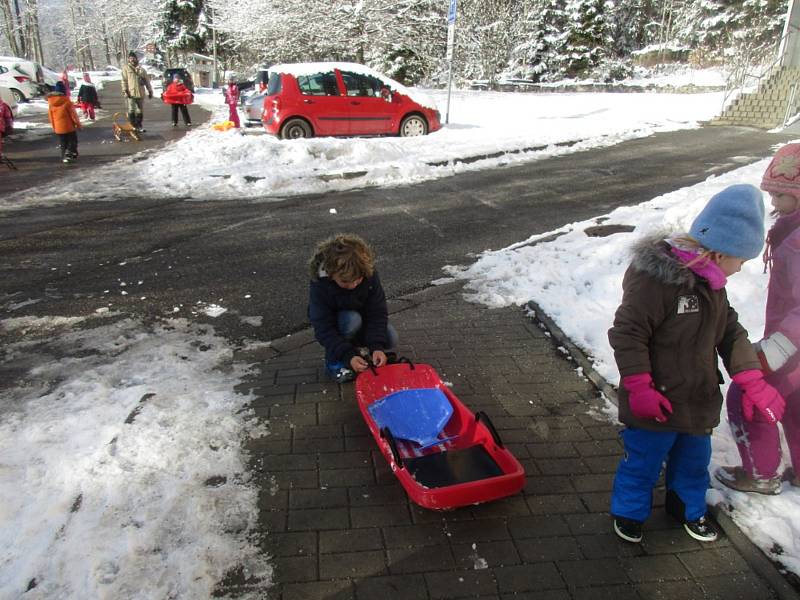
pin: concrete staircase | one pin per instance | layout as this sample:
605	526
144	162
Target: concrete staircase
765	108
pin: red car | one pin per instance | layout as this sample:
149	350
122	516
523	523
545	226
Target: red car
313	99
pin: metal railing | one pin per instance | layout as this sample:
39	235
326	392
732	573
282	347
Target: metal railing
790	106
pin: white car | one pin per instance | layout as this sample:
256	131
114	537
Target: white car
51	77
23	77
253	107
8	97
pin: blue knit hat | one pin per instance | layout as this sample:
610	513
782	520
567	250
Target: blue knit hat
732	222
60	87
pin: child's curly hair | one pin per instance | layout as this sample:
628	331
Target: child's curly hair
346	256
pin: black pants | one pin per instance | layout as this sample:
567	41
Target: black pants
184	113
69	144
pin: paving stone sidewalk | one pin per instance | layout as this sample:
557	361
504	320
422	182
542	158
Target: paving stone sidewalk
339	526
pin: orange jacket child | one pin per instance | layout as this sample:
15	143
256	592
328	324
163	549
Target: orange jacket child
65	122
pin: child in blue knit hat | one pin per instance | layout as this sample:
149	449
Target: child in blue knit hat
673	322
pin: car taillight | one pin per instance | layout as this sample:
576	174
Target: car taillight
21	78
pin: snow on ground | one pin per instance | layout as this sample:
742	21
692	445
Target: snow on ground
577	280
209	164
94	506
121	468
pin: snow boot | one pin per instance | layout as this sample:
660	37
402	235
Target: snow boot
738	479
788	475
339	372
628	529
703	530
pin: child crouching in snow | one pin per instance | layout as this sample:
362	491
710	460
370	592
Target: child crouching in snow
673	320
347	307
756	434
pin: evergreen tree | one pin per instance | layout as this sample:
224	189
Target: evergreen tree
635	25
536	57
181	27
587	37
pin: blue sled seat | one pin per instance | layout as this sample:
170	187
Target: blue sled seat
418	415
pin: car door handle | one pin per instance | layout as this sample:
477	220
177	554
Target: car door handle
308	101
355	102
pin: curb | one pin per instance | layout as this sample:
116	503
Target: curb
753	555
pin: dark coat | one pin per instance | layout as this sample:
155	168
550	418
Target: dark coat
673	325
88	94
327	299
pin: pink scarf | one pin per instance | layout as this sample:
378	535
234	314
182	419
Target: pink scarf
702	267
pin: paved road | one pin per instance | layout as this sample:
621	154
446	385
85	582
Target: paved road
249	257
35	152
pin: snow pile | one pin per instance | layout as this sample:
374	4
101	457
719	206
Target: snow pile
122	473
489	128
577	280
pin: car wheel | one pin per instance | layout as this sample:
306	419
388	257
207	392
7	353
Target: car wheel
413	125
19	97
295	129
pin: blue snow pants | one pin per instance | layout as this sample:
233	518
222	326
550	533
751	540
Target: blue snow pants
687	457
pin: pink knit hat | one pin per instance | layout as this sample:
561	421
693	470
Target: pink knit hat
783	173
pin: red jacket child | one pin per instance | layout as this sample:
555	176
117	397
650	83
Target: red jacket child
177	93
6	123
178	96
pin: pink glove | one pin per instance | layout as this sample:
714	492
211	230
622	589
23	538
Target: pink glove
645	401
759	394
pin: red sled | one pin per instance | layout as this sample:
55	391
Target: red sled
444	455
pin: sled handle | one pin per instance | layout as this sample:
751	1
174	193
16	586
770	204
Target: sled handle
405	359
482	416
387	435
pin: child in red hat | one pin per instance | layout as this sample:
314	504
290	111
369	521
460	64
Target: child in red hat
757	437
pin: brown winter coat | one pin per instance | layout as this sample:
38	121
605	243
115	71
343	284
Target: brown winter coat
63	117
673	325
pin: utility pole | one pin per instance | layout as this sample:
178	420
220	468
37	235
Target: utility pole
214	46
451	42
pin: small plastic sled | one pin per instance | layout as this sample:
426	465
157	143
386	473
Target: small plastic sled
444	455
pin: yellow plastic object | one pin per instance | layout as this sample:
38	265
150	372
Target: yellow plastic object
223	126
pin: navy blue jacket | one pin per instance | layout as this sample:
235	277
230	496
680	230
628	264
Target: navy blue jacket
327	299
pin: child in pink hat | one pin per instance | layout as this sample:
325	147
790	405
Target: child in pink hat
757	437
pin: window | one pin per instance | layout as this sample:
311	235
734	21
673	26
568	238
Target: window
274	85
319	84
358	84
3	70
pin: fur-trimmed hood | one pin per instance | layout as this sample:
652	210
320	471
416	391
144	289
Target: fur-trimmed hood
315	269
651	255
